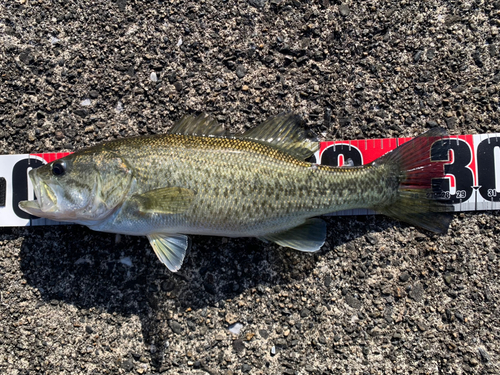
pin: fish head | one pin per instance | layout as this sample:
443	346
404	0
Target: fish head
84	187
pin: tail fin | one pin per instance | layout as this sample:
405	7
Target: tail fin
415	202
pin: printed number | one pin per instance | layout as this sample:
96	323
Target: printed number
486	168
20	184
439	195
331	155
464	178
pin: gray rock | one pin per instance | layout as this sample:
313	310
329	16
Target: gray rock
257	3
241	71
353	301
176	327
344	9
417	292
404	277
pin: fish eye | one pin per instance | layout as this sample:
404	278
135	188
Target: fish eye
59	168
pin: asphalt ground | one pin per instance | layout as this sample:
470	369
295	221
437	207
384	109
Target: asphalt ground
381	297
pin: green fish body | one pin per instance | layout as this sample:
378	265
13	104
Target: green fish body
198	180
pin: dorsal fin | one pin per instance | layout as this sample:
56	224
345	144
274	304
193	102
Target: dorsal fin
285	133
202	125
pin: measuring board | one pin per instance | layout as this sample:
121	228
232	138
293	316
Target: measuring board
471	182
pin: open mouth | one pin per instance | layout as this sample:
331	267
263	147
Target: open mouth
46	201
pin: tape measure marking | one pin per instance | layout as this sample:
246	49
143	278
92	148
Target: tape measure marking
472	172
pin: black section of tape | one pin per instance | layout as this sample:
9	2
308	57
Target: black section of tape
3	191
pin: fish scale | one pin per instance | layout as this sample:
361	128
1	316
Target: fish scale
252	185
235	201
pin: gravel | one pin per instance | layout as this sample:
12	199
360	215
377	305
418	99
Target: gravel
381	297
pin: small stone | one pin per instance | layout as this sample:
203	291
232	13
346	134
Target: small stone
485	357
417	292
176	327
304	313
263	333
238	345
241	71
81	112
235	328
404	277
460	317
94	94
257	3
231	318
353	301
178	86
473	362
246	368
128	365
371	239
244	88
59	135
418	56
344	10
448	279
153	77
422	326
167	286
327	281
431	52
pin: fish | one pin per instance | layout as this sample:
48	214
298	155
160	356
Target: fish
198	179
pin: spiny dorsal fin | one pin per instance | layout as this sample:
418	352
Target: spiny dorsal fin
202	125
171	249
285	133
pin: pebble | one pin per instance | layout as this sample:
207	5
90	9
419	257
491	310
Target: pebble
353	301
235	328
257	3
417	292
81	112
344	9
404	276
176	327
371	239
241	71
304	313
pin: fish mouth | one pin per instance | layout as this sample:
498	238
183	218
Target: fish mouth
46	203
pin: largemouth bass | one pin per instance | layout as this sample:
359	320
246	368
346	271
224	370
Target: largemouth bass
197	180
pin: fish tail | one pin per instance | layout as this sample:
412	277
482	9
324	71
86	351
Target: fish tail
414	200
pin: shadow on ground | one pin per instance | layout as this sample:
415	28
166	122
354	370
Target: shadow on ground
121	274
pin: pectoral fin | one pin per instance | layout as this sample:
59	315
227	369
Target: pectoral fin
172	200
308	237
170	249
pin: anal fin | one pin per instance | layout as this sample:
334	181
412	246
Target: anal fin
308	237
170	249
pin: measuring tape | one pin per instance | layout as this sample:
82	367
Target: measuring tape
471	178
